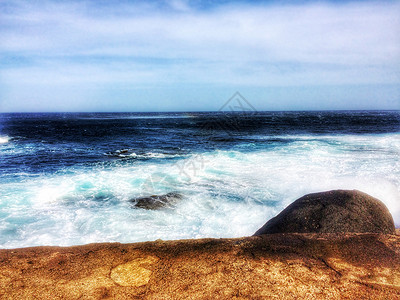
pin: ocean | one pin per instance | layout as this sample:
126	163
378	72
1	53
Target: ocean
68	178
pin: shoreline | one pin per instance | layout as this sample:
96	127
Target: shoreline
346	265
176	240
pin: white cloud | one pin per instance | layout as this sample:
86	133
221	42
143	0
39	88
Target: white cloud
179	5
141	44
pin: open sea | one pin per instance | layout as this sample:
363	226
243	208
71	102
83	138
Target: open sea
68	178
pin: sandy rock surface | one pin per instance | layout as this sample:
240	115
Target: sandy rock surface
282	266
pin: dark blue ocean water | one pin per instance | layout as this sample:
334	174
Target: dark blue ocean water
53	142
66	178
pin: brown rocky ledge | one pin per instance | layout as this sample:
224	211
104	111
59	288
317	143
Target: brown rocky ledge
284	266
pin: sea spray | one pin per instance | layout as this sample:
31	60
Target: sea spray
59	188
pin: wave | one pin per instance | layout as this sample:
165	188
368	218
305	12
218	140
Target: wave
368	142
130	154
226	193
4	139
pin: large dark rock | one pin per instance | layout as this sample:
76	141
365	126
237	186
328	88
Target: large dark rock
332	212
157	201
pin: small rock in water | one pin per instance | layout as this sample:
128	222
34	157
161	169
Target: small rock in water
157	201
332	212
124	153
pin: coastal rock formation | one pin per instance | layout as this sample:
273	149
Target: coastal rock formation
332	212
287	266
133	273
157	201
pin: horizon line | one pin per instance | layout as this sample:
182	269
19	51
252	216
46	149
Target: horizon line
199	111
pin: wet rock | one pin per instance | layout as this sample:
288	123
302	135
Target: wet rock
123	153
157	201
332	212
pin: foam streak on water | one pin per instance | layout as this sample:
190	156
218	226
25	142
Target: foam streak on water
4	139
228	190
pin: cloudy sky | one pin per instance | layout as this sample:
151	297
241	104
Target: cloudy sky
193	55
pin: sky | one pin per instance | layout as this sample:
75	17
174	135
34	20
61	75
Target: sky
181	55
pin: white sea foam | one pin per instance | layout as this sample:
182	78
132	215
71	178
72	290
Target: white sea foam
127	153
4	139
225	193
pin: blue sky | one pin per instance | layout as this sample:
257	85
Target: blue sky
193	55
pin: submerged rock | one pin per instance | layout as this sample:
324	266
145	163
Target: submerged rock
332	212
157	201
